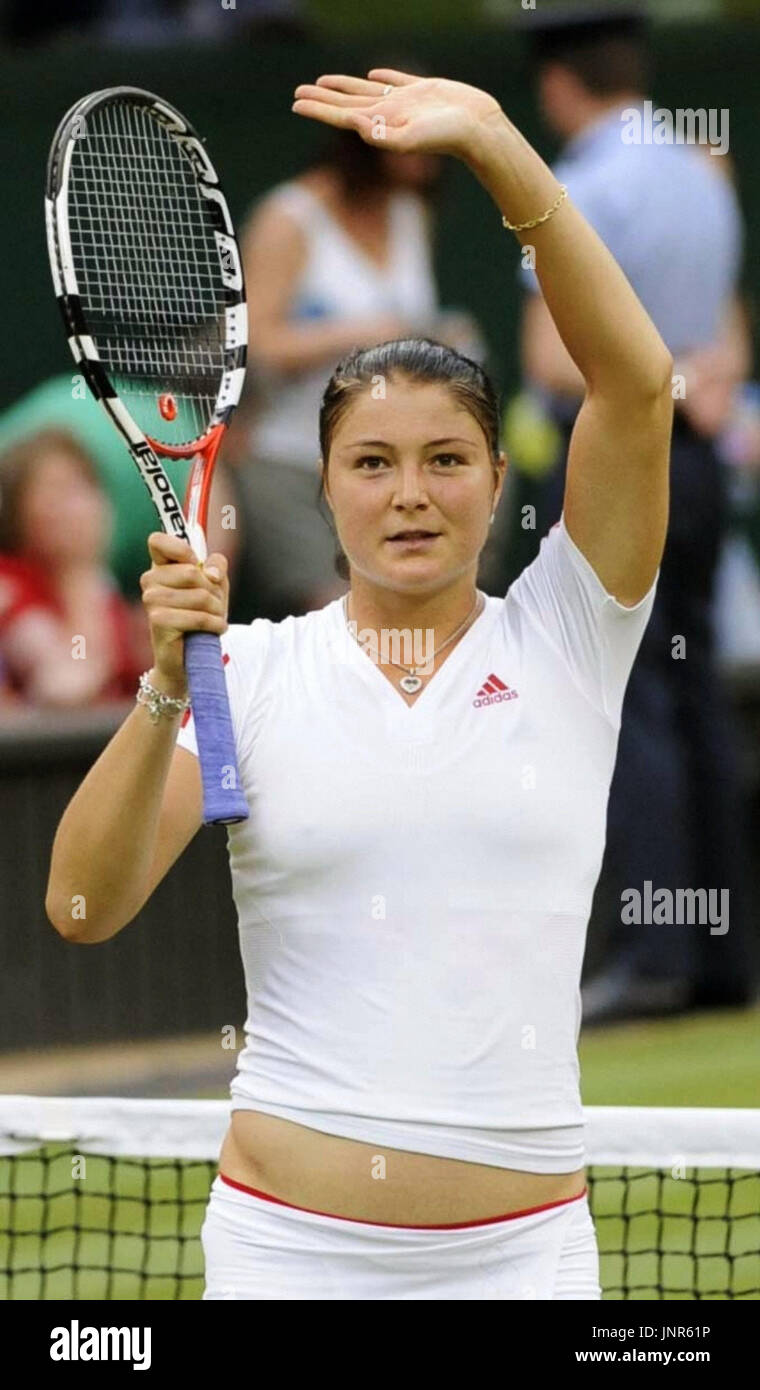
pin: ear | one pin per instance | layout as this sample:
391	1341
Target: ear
501	464
325	486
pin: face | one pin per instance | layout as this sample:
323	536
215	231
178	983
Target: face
64	516
415	462
415	171
561	100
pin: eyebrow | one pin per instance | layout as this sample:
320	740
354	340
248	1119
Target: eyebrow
383	443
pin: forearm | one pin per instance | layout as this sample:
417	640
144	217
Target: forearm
104	846
604	327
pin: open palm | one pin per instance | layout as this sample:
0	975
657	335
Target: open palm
421	114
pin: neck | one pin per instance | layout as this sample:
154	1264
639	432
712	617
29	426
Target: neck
594	109
375	609
373	199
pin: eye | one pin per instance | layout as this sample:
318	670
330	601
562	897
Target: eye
448	459
369	462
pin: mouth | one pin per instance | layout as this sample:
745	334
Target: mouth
410	537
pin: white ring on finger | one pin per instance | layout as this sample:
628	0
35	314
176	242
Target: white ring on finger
387	89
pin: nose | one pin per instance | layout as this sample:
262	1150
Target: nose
410	489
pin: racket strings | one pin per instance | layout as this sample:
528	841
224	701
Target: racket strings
147	263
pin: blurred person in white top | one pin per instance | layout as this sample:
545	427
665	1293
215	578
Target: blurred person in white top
338	257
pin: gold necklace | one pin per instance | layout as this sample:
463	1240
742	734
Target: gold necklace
411	682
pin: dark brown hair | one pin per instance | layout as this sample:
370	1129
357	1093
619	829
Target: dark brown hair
17	463
362	171
418	359
605	63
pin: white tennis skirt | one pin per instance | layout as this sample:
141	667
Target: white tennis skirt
256	1248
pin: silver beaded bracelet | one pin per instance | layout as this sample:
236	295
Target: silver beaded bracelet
157	702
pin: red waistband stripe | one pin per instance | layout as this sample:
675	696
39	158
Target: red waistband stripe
396	1225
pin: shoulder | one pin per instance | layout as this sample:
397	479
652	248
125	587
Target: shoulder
320	183
667	170
596	186
262	648
558	603
280	217
560	586
708	177
247	645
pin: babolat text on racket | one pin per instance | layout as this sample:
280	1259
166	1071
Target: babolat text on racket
148	276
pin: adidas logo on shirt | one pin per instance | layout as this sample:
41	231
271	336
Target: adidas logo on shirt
493	691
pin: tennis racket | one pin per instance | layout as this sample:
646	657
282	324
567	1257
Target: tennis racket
148	276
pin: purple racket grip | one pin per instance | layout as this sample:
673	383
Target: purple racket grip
223	799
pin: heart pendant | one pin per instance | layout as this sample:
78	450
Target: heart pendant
410	684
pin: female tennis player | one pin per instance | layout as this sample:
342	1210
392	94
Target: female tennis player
427	827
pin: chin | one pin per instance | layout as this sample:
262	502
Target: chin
415	578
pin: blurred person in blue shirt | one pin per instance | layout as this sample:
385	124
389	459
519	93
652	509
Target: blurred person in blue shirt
671	218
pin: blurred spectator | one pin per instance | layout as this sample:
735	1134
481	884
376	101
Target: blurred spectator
67	637
8	696
337	257
279	18
676	814
166	21
64	403
146	21
737	600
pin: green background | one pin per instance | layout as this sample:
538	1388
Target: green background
239	94
239	97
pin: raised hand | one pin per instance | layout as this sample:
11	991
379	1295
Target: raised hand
400	112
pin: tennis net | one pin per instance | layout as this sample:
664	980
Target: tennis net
104	1198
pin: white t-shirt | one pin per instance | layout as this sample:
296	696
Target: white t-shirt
414	883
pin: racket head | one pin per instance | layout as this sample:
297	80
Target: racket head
146	269
149	281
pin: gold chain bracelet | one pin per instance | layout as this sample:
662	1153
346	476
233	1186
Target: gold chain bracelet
537	221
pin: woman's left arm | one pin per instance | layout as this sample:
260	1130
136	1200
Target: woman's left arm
616	494
616	490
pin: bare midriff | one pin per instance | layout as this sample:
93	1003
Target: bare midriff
372	1182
